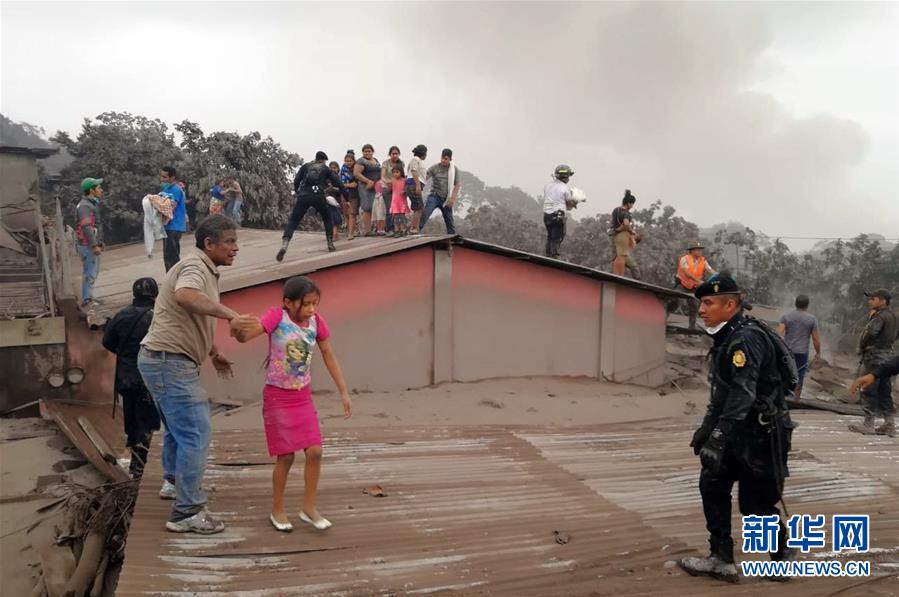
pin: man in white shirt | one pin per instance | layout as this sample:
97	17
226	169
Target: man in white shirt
556	201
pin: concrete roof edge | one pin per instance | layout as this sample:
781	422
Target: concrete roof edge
38	152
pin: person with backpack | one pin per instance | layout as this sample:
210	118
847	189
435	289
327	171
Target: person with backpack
309	185
122	337
745	435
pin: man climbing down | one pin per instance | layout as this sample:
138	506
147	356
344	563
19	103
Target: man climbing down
309	185
691	269
122	337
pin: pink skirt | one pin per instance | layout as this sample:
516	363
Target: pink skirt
291	421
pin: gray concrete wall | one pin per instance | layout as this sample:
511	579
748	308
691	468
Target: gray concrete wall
18	179
633	339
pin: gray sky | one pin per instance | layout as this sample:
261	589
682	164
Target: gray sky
782	116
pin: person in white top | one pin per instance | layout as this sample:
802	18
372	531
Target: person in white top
556	201
415	184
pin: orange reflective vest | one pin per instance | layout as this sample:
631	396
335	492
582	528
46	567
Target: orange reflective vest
694	266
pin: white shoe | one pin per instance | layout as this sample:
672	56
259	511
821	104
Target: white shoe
284	527
321	523
167	491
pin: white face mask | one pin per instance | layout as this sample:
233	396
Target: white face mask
711	331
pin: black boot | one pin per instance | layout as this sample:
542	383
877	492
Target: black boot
282	250
331	246
713	565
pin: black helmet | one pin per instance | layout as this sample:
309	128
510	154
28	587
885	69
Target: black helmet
563	170
145	288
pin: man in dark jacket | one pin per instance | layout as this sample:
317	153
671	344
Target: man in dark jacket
745	435
123	336
309	185
875	347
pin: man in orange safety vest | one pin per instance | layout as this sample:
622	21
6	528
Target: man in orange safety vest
691	269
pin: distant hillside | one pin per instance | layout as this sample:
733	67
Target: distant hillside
475	194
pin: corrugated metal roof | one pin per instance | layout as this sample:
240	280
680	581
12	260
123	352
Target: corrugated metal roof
569	267
255	263
473	510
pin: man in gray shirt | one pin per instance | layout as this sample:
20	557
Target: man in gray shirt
797	327
445	183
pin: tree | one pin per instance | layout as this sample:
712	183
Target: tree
502	226
262	167
127	152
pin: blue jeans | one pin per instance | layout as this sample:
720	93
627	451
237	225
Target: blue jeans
174	382
90	272
433	203
233	210
801	365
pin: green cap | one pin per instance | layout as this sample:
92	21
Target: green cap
89	183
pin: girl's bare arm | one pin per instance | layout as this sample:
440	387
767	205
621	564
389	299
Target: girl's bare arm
334	369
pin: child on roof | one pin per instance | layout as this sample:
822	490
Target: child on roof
291	421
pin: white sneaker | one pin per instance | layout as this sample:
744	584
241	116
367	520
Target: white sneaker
167	491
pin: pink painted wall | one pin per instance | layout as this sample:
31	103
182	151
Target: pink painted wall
639	335
515	318
380	313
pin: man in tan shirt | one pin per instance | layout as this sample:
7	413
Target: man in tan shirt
178	342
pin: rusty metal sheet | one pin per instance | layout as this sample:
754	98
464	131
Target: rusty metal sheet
488	511
74	418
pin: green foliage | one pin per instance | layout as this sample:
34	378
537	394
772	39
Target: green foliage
261	166
127	152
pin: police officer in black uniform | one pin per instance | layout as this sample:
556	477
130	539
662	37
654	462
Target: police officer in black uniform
309	185
875	347
122	336
745	435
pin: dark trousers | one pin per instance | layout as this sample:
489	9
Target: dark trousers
692	305
141	420
555	233
437	202
387	195
171	249
877	399
304	202
759	492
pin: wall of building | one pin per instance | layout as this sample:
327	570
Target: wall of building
633	338
380	313
18	180
429	315
514	318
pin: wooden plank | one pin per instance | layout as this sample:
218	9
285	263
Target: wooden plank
96	439
836	407
32	332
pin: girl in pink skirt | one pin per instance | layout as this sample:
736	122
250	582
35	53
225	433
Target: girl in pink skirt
291	422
